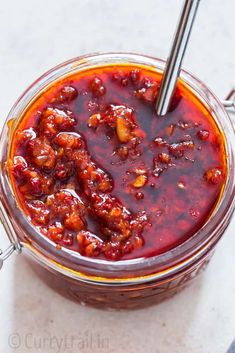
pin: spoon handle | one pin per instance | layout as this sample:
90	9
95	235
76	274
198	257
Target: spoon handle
174	62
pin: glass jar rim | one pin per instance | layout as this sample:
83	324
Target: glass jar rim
161	265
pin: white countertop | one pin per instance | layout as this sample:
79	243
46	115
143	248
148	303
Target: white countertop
36	35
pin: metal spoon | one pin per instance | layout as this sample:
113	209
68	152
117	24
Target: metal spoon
174	62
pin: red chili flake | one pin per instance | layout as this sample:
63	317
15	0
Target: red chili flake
178	149
19	165
194	213
63	170
89	244
68	240
34	184
170	129
41	154
67	94
160	142
127	247
39	210
203	135
139	196
134	75
54	120
138	242
183	125
164	158
94	120
73	221
69	140
161	163
149	92
214	176
123	152
24	136
124	82
117	76
96	86
56	232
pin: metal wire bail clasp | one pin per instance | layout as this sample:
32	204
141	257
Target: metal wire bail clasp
229	102
14	242
6	253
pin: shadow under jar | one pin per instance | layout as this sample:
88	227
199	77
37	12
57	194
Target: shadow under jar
119	219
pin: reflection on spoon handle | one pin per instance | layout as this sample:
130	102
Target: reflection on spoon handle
175	59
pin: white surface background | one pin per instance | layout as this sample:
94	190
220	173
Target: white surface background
36	35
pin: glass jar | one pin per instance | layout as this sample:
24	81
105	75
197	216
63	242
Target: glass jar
128	283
